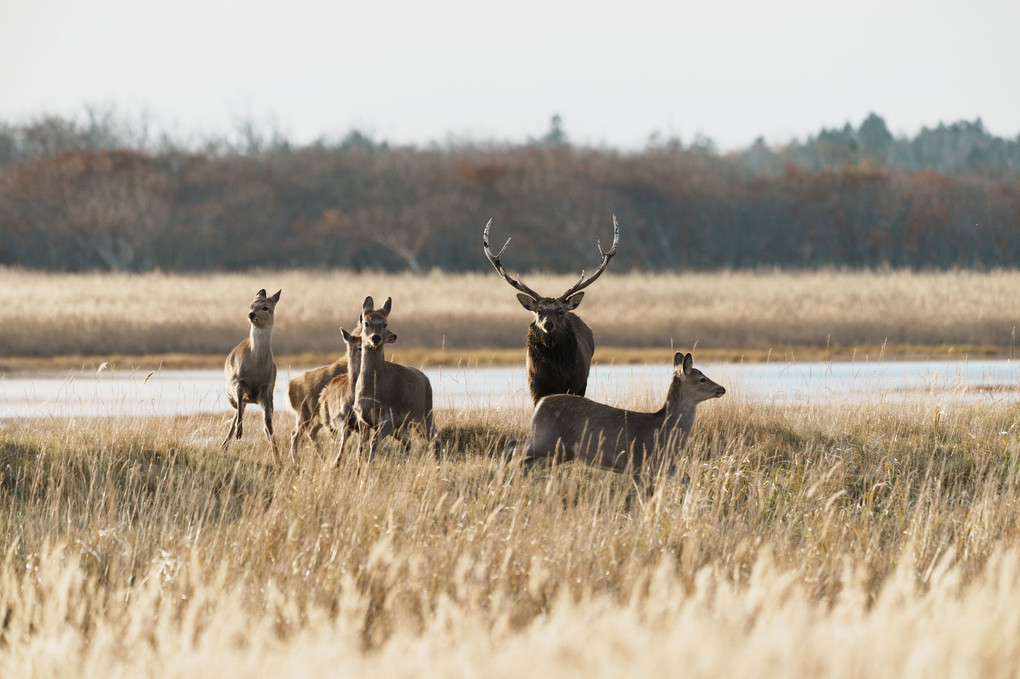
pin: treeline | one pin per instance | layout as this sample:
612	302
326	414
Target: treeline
84	195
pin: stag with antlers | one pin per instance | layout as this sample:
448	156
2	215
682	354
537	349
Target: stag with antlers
560	345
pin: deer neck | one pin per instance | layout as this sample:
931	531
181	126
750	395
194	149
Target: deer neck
260	340
372	361
353	369
679	411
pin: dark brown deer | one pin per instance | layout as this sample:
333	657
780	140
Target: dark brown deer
560	345
389	398
336	404
565	427
250	370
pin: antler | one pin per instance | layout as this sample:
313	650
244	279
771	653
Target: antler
581	283
495	259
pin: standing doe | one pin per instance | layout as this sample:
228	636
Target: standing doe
559	345
389	398
250	370
564	427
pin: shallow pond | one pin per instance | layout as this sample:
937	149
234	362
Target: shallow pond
175	392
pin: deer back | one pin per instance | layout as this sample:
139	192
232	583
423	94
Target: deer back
600	435
305	389
404	391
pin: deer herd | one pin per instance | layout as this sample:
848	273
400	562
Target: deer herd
364	393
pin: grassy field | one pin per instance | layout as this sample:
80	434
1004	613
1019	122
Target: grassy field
837	540
70	321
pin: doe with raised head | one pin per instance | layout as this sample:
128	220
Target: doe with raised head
250	370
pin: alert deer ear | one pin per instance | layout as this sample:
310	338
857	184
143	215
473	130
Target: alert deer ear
347	336
276	297
527	301
574	300
688	363
678	358
368	304
261	294
387	305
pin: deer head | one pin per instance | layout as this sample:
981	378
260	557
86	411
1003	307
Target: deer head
550	312
374	332
696	387
260	311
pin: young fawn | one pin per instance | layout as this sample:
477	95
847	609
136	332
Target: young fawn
565	427
390	399
250	370
337	401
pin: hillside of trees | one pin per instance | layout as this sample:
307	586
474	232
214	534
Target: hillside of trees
93	194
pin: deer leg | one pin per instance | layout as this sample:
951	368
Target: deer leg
314	434
298	431
237	422
341	427
267	411
435	444
384	429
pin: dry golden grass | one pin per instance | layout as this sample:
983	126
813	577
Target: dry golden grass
838	540
446	318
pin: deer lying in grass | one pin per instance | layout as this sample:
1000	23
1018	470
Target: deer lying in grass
250	370
559	345
564	427
336	404
389	398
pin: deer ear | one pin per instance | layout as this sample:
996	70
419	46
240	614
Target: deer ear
688	363
678	358
368	304
527	301
387	305
573	300
276	297
347	336
261	294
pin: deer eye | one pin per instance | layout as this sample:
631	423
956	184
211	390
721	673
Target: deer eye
702	380
265	308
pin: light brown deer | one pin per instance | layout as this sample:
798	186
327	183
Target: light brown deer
250	371
305	393
559	345
389	398
565	427
337	401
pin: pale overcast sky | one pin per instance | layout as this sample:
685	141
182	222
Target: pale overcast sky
419	71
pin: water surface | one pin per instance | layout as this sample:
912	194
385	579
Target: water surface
182	392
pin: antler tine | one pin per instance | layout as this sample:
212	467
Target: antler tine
581	283
496	262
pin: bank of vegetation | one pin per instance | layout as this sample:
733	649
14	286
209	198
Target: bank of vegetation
97	193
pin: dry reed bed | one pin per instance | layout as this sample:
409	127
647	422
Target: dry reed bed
832	540
135	314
